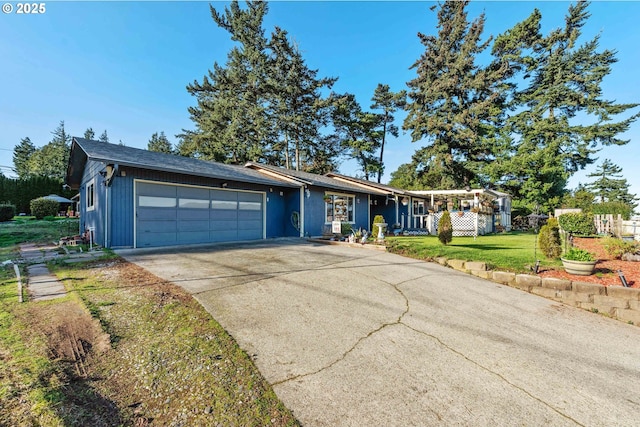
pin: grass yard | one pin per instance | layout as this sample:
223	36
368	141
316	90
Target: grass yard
123	348
507	252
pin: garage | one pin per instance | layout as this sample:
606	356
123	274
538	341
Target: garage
171	214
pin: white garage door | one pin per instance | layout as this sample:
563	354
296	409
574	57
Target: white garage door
174	215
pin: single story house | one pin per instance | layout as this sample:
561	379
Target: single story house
132	198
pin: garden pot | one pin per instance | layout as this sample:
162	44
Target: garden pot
579	268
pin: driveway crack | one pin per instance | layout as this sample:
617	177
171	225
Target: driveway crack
486	369
398	321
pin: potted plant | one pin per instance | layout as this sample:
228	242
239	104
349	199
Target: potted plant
579	262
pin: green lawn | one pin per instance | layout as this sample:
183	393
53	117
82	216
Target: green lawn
508	251
31	230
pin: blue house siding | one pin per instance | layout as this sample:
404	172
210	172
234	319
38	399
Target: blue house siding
315	211
121	202
292	204
93	218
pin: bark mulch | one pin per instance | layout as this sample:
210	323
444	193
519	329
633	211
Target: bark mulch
606	269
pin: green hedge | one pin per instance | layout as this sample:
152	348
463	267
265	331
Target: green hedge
7	212
549	239
42	207
577	223
445	228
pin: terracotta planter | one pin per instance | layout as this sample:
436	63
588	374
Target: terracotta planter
579	268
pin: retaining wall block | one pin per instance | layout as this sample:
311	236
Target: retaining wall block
576	298
475	265
547	293
528	280
634	305
440	260
504	277
457	264
629	316
603	300
589	288
622	292
483	274
553	283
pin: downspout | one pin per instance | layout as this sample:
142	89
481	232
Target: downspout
395	199
302	211
106	217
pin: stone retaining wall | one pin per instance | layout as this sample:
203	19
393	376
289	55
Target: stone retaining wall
616	301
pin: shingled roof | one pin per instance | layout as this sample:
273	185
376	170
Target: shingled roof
307	178
85	149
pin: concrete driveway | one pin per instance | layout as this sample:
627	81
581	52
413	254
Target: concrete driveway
355	337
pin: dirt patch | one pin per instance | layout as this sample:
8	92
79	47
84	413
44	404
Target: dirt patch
607	268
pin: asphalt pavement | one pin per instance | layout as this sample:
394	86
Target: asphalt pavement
353	337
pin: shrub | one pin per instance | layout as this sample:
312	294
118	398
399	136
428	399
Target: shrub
345	228
613	208
575	254
7	212
42	207
445	229
378	219
549	239
577	223
618	247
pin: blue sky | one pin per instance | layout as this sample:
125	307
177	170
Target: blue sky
123	66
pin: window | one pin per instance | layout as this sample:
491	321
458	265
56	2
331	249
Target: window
90	195
418	207
339	207
193	203
157	202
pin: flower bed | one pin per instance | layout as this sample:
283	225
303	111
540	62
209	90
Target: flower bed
606	272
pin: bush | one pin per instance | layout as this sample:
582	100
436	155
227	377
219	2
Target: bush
7	212
575	254
42	207
445	229
618	247
378	219
577	223
613	208
549	239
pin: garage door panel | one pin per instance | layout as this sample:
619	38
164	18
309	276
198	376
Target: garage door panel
158	239
223	195
223	225
224	215
249	216
193	214
157	226
223	236
148	189
249	234
250	197
193	193
157	214
187	237
193	226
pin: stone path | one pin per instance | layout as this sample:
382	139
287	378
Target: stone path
41	284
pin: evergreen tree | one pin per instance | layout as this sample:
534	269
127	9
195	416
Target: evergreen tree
231	113
454	103
104	137
89	134
609	186
387	101
358	132
297	105
51	160
21	155
561	117
160	143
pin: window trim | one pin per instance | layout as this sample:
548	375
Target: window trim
353	204
90	195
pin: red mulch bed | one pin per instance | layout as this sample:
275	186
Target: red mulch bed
606	269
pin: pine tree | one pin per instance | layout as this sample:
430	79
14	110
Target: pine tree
160	143
21	155
454	103
389	102
609	186
561	117
231	113
104	137
89	134
297	105
358	132
51	160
